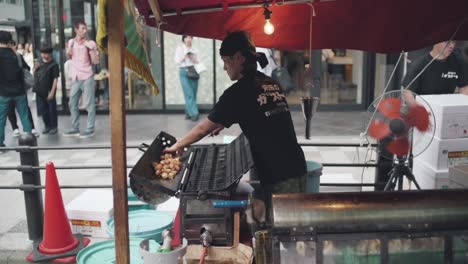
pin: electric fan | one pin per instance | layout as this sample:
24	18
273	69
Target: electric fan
404	122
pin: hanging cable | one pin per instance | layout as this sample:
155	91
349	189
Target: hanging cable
381	97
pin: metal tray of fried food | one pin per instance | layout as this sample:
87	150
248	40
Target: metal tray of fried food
143	181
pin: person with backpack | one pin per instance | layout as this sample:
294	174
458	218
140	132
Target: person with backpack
11	86
83	54
12	113
45	86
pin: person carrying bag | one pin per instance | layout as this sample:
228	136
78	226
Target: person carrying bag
28	78
186	57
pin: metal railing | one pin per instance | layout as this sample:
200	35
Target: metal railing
31	186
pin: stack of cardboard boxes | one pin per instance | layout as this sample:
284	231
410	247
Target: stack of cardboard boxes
447	141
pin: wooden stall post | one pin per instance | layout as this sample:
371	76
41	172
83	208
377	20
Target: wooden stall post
116	51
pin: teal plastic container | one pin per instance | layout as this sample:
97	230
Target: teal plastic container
131	196
145	224
104	253
314	171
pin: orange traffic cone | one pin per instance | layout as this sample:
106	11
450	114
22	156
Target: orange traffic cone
58	243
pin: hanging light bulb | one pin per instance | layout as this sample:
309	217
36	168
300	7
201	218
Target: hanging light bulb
268	28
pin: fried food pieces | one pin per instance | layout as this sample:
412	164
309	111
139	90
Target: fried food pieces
168	167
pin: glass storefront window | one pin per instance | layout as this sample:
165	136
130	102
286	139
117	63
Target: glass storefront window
339	74
174	94
338	78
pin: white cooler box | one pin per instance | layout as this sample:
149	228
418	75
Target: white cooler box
450	113
89	212
458	176
428	178
444	153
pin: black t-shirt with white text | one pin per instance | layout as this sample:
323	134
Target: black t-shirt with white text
258	104
441	77
44	77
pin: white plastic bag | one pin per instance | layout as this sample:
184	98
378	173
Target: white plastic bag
200	67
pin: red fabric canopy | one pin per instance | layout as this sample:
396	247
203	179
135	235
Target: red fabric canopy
371	25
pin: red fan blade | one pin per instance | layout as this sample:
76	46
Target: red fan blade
399	146
390	107
418	117
379	129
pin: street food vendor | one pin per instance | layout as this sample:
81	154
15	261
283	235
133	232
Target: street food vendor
257	103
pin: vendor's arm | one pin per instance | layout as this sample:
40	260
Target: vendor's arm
197	133
409	97
410	83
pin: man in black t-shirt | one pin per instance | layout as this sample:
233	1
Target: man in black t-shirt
11	85
45	86
257	103
442	76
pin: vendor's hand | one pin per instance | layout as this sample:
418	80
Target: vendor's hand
50	97
216	131
175	149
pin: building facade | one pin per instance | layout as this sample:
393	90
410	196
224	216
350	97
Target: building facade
13	19
344	79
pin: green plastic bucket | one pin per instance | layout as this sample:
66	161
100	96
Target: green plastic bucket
104	253
145	224
314	171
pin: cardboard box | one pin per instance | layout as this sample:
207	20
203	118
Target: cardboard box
458	176
241	254
89	212
450	114
443	153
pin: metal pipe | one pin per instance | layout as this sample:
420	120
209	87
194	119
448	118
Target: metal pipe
372	211
25	148
21	148
32	198
92	167
351	184
242	6
337	145
349	165
27	187
70	167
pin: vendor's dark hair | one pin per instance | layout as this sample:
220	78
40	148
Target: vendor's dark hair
242	42
5	37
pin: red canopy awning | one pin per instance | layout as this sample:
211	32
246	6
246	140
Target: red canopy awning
371	25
